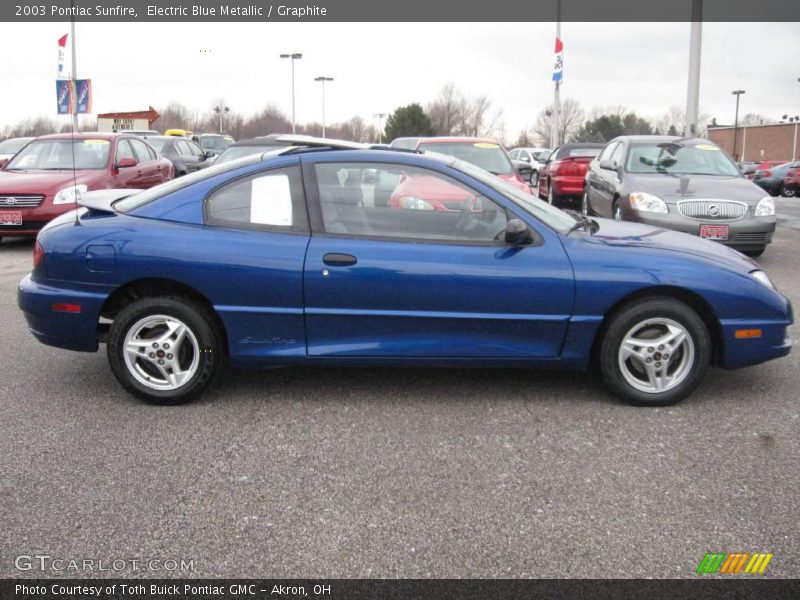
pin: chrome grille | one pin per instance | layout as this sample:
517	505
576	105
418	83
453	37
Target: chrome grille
714	210
21	201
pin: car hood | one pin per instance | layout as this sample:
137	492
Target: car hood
43	182
672	189
637	235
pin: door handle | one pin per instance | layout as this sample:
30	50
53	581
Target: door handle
334	259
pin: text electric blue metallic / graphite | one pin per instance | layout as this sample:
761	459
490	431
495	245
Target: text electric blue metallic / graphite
287	258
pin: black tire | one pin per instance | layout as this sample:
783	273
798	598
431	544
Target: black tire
786	192
552	198
200	324
636	314
755	253
586	208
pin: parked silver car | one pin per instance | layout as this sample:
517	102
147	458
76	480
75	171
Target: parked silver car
689	185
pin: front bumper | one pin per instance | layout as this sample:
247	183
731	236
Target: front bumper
749	233
73	331
34	218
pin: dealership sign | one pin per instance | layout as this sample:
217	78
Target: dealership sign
68	92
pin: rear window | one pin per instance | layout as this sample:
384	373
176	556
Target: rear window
573	152
133	202
487	156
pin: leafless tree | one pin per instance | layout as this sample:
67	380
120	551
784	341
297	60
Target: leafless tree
448	112
571	117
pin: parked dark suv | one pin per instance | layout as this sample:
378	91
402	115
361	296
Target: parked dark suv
689	185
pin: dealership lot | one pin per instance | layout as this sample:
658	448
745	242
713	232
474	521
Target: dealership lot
397	472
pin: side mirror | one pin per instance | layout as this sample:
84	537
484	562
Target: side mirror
525	172
126	163
518	233
607	165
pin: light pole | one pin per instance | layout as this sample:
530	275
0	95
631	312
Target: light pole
736	93
380	117
220	110
294	56
323	79
693	88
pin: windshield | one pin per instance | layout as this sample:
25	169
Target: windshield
676	158
13	146
214	142
554	217
487	156
58	154
233	152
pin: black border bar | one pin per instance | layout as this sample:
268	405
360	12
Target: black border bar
401	10
402	589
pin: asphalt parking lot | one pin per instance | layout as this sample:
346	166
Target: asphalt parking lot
397	472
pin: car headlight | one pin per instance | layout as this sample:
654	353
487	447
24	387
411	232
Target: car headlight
762	277
70	195
645	202
765	207
412	203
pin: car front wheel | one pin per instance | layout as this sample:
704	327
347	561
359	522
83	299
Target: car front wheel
164	350
655	352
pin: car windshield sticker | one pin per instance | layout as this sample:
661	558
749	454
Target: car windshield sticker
706	147
485	145
95	142
271	201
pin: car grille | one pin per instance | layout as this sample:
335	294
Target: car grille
21	201
713	210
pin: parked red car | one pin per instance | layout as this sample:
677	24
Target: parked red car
8	148
562	177
39	183
764	166
481	152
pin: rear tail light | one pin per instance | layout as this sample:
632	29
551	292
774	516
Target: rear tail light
567	168
38	254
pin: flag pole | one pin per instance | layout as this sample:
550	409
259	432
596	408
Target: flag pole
74	71
556	95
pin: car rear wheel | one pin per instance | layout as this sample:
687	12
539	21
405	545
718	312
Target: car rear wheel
164	350
655	352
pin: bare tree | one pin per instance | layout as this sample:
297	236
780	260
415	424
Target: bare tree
571	117
755	119
449	111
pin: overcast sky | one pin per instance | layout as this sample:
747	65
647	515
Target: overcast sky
379	66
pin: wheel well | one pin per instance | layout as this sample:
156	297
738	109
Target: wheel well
694	301
148	288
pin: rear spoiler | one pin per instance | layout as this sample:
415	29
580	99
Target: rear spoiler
102	200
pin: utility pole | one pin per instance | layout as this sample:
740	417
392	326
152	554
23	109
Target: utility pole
693	91
736	93
323	79
380	117
557	77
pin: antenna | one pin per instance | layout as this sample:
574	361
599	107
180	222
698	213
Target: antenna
74	118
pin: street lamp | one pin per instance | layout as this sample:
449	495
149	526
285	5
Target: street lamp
294	56
220	110
380	117
736	93
323	79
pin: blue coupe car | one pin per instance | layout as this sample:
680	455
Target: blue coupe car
286	257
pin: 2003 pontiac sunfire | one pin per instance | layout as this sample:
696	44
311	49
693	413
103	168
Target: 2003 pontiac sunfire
307	255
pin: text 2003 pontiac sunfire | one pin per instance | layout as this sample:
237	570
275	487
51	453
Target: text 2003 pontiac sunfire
287	258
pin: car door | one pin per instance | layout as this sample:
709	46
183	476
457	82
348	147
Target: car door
148	164
126	177
600	187
408	280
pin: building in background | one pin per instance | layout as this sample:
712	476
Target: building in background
118	121
778	141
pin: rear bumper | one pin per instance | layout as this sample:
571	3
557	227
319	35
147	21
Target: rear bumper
73	331
567	185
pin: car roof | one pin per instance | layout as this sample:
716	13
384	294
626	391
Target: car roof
581	145
84	135
457	140
662	138
167	138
